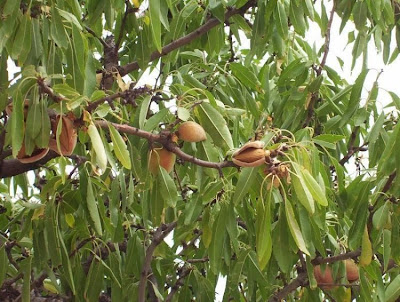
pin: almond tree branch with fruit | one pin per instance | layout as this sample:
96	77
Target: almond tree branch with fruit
151	149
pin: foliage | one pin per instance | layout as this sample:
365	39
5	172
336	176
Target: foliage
91	224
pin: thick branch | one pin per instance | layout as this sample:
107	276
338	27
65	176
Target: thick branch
301	280
210	24
169	145
158	237
13	167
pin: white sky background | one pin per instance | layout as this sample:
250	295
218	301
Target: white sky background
389	79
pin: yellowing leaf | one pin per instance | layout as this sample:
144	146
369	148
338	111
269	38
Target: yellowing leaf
120	149
366	249
98	147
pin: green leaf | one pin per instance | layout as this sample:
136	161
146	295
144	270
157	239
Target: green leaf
144	107
57	29
263	231
294	228
392	292
93	208
120	148
17	123
167	187
26	267
65	90
34	120
217	242
360	12
381	216
42	139
376	129
246	179
22	44
314	187
296	15
281	17
155	23
3	263
70	18
245	75
328	140
98	147
302	192
215	125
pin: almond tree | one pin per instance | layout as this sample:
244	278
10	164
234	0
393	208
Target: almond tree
242	158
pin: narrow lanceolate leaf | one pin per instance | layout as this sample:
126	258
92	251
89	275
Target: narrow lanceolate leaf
313	186
57	29
381	216
92	207
33	120
282	21
143	111
302	193
215	125
26	285
120	149
217	241
245	75
167	187
366	249
245	181
42	139
354	98
17	123
22	44
155	23
98	147
263	231
294	228
392	292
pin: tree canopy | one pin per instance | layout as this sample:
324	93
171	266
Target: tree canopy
243	157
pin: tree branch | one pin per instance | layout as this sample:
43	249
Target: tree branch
180	282
167	143
327	40
300	281
158	237
315	95
210	24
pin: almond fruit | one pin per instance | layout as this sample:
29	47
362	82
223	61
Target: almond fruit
161	157
36	155
68	136
191	132
251	154
324	279
352	271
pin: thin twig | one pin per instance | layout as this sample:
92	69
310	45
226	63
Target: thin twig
210	24
179	283
315	95
122	28
104	43
327	40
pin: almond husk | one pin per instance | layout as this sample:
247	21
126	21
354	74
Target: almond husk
161	157
68	136
251	154
352	271
36	155
191	132
324	279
